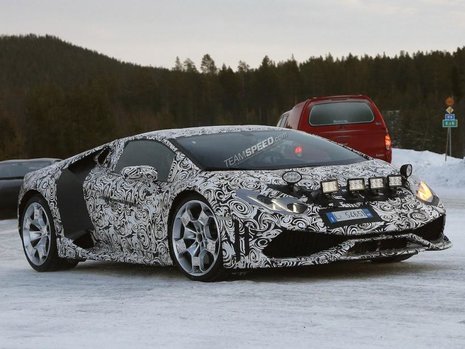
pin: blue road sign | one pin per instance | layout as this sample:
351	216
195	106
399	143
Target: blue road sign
450	123
449	116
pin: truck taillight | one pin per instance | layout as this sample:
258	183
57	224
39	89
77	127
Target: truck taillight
387	142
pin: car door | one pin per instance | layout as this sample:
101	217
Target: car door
129	209
72	202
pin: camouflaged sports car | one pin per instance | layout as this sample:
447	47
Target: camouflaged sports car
222	199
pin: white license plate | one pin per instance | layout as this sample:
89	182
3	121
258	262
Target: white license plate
349	215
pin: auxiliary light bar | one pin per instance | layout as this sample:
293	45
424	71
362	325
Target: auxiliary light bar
356	184
394	181
329	186
292	177
376	183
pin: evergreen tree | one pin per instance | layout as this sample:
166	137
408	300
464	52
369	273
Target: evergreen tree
208	65
189	66
57	99
178	65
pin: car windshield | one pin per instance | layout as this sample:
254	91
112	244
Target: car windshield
354	112
260	150
19	169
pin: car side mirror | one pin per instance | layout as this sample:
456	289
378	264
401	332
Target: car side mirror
140	173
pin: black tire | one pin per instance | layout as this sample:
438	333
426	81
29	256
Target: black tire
51	262
216	272
393	259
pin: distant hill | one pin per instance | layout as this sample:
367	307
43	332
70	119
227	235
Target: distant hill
31	60
57	99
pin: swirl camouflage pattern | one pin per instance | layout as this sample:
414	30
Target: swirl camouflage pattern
214	200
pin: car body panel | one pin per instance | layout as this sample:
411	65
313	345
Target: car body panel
129	219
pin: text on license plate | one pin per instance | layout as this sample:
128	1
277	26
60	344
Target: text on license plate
348	215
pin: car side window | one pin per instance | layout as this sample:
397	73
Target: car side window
103	157
145	152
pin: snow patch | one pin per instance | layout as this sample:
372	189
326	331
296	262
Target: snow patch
414	304
445	177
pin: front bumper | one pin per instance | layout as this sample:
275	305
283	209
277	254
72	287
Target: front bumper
302	248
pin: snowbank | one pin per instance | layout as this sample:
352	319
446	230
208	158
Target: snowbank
415	304
440	175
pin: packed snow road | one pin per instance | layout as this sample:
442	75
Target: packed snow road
418	303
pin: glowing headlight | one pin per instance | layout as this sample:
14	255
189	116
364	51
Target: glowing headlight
394	181
376	183
357	184
330	186
424	193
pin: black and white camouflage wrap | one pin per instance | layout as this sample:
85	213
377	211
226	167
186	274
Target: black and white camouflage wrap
133	225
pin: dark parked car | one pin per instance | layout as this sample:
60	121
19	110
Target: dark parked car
353	120
11	177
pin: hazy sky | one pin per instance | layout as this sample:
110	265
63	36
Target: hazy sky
152	32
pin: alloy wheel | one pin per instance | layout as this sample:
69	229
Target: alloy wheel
195	238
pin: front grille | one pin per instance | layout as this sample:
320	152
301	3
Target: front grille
378	245
301	243
290	244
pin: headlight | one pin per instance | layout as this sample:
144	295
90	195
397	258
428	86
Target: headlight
424	193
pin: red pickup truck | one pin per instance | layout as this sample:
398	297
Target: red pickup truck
352	120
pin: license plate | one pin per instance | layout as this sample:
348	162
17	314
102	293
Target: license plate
349	215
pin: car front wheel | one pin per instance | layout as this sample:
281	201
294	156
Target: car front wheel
195	240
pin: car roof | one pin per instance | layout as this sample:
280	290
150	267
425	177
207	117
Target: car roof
194	131
16	161
338	98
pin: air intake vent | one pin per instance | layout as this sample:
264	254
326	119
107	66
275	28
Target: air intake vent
291	244
301	243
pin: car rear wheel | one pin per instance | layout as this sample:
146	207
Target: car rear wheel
38	236
195	240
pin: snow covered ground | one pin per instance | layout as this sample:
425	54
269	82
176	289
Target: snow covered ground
415	304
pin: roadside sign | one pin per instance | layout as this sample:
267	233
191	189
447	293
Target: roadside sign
447	123
449	101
